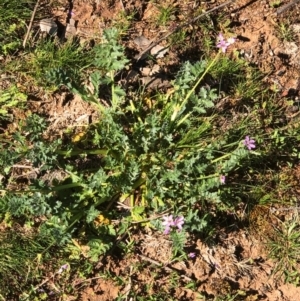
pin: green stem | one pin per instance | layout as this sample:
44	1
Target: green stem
66	186
220	158
208	177
198	81
85	151
113	100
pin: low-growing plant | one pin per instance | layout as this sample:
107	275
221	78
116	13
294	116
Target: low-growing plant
285	31
165	15
165	154
13	15
178	38
50	63
27	143
275	3
284	248
123	21
175	161
9	99
22	257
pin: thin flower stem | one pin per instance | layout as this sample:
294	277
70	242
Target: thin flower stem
81	152
220	158
208	177
200	79
194	87
113	98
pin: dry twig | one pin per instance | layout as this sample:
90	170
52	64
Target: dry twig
280	10
153	44
167	268
30	24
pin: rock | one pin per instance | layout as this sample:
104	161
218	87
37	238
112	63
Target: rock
49	26
159	51
141	42
70	29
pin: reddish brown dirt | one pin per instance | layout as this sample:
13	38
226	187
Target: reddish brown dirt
238	266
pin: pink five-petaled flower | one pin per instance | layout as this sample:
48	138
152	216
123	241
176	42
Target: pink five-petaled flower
222	179
192	255
223	44
178	222
249	143
168	223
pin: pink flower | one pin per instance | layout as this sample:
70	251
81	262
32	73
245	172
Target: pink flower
223	44
168	223
192	255
222	179
178	222
249	143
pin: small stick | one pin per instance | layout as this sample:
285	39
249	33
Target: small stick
122	5
280	10
30	24
87	280
169	269
22	166
182	26
152	217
